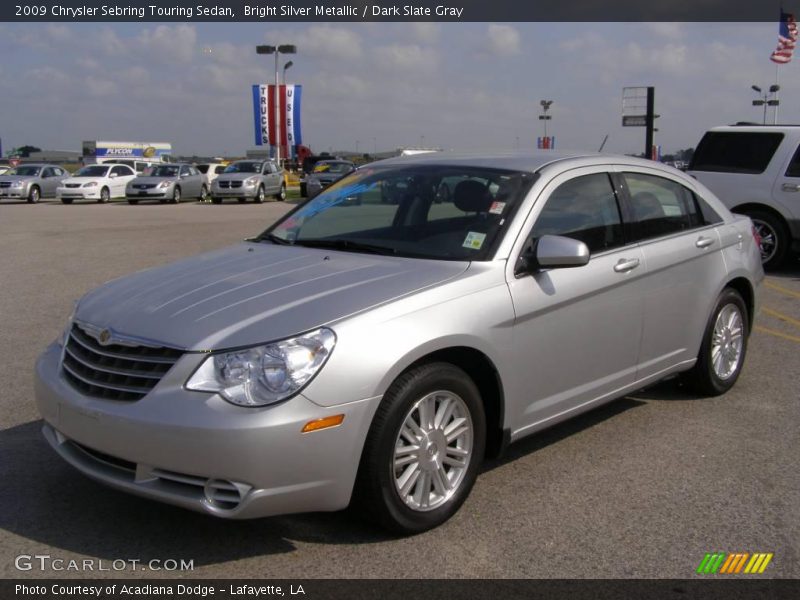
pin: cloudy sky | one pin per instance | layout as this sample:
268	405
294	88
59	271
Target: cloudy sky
384	85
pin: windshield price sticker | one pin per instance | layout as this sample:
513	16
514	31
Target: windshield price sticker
474	240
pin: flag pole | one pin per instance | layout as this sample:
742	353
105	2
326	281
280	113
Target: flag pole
775	114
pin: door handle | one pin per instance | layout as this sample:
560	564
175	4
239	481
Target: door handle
704	242
790	187
626	264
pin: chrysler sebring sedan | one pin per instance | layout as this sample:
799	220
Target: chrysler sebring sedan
372	353
168	183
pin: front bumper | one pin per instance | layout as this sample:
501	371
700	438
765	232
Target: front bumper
10	193
152	194
195	450
78	193
240	192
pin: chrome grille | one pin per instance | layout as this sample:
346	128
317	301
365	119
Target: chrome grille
72	185
114	372
224	184
230	184
5	184
145	186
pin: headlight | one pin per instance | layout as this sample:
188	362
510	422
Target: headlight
251	181
265	374
90	184
18	184
164	184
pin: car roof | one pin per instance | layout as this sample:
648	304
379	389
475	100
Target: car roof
515	161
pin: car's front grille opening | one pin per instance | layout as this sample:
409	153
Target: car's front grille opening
111	461
114	372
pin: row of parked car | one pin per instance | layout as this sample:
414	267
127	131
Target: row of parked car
164	182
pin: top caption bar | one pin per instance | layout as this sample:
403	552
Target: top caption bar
443	11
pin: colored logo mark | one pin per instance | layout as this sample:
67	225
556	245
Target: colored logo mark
734	563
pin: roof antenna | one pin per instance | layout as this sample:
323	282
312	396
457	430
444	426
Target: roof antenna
605	139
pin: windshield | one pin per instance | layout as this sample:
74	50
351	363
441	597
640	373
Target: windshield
244	167
25	171
332	168
165	171
440	212
93	171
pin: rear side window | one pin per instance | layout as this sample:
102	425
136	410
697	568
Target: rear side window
121	171
710	216
661	206
585	209
202	168
735	152
793	170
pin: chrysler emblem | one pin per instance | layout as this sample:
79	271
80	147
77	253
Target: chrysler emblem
104	337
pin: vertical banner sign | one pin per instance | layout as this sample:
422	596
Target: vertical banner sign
288	109
261	121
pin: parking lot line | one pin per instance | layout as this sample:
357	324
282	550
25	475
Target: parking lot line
786	336
783	290
774	313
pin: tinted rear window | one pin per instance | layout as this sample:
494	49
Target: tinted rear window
735	152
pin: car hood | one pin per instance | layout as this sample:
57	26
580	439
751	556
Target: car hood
81	179
18	177
152	180
235	176
253	293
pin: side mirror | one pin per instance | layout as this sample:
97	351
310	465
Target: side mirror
113	176
552	252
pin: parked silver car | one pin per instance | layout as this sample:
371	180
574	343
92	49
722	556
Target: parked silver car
168	183
249	180
376	352
31	182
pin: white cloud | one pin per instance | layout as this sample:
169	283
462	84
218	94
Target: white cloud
673	31
100	86
503	40
329	42
424	31
169	43
406	57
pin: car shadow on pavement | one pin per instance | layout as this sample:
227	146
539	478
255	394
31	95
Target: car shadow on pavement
48	502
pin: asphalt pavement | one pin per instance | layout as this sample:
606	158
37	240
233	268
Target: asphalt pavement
642	487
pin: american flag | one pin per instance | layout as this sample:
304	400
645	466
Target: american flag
787	39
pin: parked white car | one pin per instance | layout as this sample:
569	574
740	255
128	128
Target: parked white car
96	182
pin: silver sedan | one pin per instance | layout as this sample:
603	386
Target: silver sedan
31	182
373	352
168	183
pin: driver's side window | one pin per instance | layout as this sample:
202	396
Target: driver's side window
584	208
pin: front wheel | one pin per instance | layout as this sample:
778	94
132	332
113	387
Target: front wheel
281	195
259	195
176	195
724	346
774	238
34	195
423	450
105	195
132	201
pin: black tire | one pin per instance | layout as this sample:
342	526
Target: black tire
241	200
281	195
66	200
176	195
34	195
303	191
376	494
132	201
105	196
775	239
203	194
216	200
260	196
703	377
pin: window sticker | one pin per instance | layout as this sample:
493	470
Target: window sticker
474	240
497	208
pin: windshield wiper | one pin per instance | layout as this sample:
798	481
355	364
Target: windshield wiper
271	237
347	246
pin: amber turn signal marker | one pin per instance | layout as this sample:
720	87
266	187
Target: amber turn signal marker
323	423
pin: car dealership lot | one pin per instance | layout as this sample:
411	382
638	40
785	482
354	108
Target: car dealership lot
643	487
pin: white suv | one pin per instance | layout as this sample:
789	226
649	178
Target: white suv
755	171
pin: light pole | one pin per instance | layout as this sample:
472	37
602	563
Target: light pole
764	100
544	116
774	89
286	67
277	51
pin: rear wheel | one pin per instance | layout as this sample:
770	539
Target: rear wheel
203	194
34	195
774	236
724	346
423	450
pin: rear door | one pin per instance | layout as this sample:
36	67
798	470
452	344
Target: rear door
50	181
685	267
577	330
124	174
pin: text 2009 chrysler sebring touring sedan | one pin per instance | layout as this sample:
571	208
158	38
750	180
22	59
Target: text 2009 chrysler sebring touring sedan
375	352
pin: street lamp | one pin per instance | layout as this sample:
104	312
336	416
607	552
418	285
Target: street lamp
277	51
544	116
765	100
286	67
